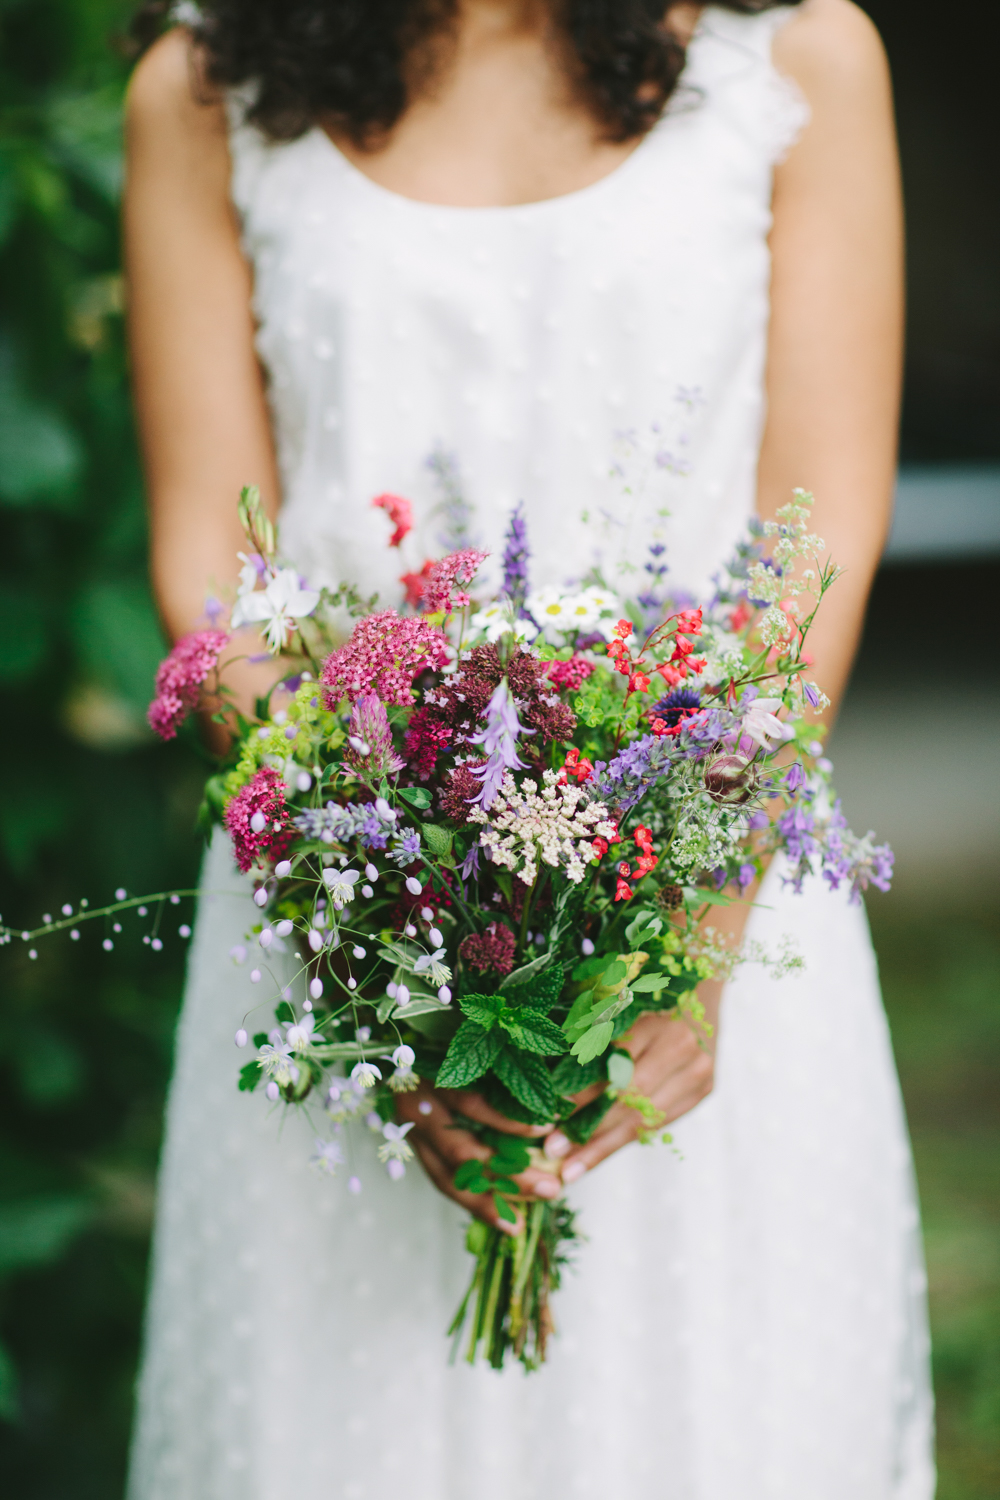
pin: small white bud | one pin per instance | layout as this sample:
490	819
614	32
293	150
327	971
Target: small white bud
107	945
315	940
413	885
367	892
586	947
255	976
358	951
258	822
434	938
444	995
272	1091
284	928
184	930
391	989
356	743
303	781
371	872
352	984
410	930
240	1038
75	935
266	938
316	989
156	945
67	910
260	896
427	913
385	812
283	868
402	995
121	893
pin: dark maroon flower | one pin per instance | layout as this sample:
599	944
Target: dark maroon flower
492	949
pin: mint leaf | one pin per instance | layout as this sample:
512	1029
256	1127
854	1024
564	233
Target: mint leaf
540	992
470	1178
569	1077
526	971
504	1210
470	1055
482	1008
510	1158
416	796
529	1081
532	1030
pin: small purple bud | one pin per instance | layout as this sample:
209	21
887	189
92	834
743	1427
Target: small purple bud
272	1091
107	945
121	893
316	989
75	934
240	1038
444	995
184	930
283	868
260	896
796	777
156	945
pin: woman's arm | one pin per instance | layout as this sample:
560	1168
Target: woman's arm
197	383
833	379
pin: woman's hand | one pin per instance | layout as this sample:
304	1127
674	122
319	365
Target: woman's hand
443	1146
674	1069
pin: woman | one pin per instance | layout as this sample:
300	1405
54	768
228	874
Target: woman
516	227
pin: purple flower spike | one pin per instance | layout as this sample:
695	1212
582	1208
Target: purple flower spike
499	740
370	729
515	558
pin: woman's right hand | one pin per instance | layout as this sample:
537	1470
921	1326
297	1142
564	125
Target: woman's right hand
443	1146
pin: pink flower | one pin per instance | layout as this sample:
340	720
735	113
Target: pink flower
260	802
400	513
383	656
370	739
440	594
179	679
569	675
426	737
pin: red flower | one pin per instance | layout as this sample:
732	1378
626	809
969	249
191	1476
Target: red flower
689	620
624	629
600	846
624	869
400	513
660	727
644	838
416	584
580	768
624	891
638	683
262	798
739	616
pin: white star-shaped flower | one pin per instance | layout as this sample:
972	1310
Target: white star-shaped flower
276	607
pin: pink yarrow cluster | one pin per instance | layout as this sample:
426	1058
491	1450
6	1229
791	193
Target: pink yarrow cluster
180	677
257	820
383	656
440	593
569	675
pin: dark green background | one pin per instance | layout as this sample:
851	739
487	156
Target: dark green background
87	802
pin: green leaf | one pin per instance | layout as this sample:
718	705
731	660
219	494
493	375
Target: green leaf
647	983
540	992
504	1210
593	1042
529	1081
284	1011
590	967
527	971
613	974
482	1008
471	1178
250	1076
644	926
581	1125
570	1077
504	1184
416	796
437	839
259	1038
532	1030
510	1157
620	1070
471	1054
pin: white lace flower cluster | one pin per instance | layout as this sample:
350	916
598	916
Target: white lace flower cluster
556	824
774	582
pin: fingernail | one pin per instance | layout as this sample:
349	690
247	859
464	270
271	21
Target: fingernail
573	1170
547	1187
543	1129
557	1145
507	1228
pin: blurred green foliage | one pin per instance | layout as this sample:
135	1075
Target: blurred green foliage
90	803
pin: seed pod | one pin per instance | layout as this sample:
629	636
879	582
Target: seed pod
729	780
670	897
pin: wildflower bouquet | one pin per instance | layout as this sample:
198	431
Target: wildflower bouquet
491	832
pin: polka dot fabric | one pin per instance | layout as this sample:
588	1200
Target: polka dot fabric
747	1317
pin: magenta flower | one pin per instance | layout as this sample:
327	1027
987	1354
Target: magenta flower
370	739
257	820
180	677
383	656
440	593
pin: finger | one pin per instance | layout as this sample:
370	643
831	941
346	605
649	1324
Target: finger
474	1106
602	1144
480	1205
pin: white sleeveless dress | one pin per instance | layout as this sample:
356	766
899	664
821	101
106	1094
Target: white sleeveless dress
747	1320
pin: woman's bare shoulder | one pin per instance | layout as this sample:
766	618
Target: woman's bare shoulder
170	99
832	49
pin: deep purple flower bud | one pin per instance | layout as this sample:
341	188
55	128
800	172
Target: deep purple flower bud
729	780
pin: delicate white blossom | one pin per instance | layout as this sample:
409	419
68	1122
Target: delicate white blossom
277	607
557	825
340	884
394	1146
300	1034
366	1074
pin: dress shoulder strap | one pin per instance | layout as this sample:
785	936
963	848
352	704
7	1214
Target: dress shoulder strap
729	60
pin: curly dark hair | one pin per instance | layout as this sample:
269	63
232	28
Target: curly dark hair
359	62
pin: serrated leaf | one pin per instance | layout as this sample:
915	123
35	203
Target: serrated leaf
526	971
593	1042
620	1070
471	1054
416	796
438	840
581	1125
481	1008
540	992
532	1030
570	1077
528	1079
